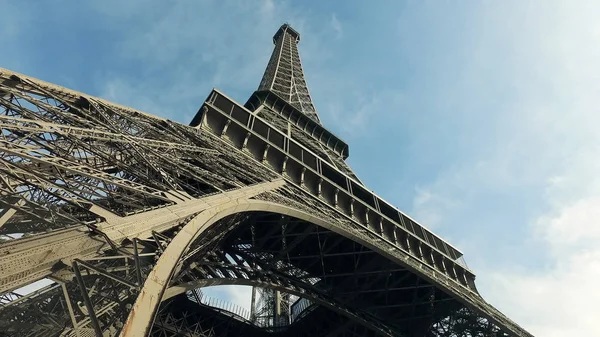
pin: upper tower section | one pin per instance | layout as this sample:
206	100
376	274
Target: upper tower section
284	76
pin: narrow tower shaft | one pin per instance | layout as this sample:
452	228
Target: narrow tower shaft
284	76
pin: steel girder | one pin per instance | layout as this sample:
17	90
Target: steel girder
284	75
124	212
68	159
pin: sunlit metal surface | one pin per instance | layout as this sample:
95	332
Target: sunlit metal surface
113	220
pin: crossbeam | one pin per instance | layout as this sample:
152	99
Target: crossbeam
251	134
26	260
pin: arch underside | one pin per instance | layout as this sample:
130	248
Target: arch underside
353	289
308	244
275	240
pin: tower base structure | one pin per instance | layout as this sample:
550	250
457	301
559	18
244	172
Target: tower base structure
126	217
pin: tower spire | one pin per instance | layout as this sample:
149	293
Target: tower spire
284	76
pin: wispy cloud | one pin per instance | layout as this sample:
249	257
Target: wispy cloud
336	25
267	8
430	208
560	300
540	185
193	49
355	118
238	295
483	119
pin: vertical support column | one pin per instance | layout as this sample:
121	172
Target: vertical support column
70	308
212	98
284	164
320	187
444	265
86	299
264	158
204	117
224	131
420	249
138	266
277	304
245	143
335	197
302	171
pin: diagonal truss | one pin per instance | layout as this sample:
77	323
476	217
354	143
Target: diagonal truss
124	215
284	76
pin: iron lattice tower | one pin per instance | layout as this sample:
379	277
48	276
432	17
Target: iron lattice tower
125	216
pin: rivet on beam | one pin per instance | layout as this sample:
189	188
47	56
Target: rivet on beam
225	127
264	158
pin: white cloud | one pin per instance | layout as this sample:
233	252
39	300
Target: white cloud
554	143
575	228
336	25
562	299
241	296
268	7
552	139
183	50
559	302
430	208
355	117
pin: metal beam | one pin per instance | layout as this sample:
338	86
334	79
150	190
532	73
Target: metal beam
24	261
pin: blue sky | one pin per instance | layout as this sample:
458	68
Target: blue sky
478	118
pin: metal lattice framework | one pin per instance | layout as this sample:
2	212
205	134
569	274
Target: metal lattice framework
125	216
284	76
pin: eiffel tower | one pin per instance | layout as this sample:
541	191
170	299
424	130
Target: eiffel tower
112	221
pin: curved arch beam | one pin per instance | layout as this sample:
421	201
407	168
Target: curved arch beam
337	307
141	317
